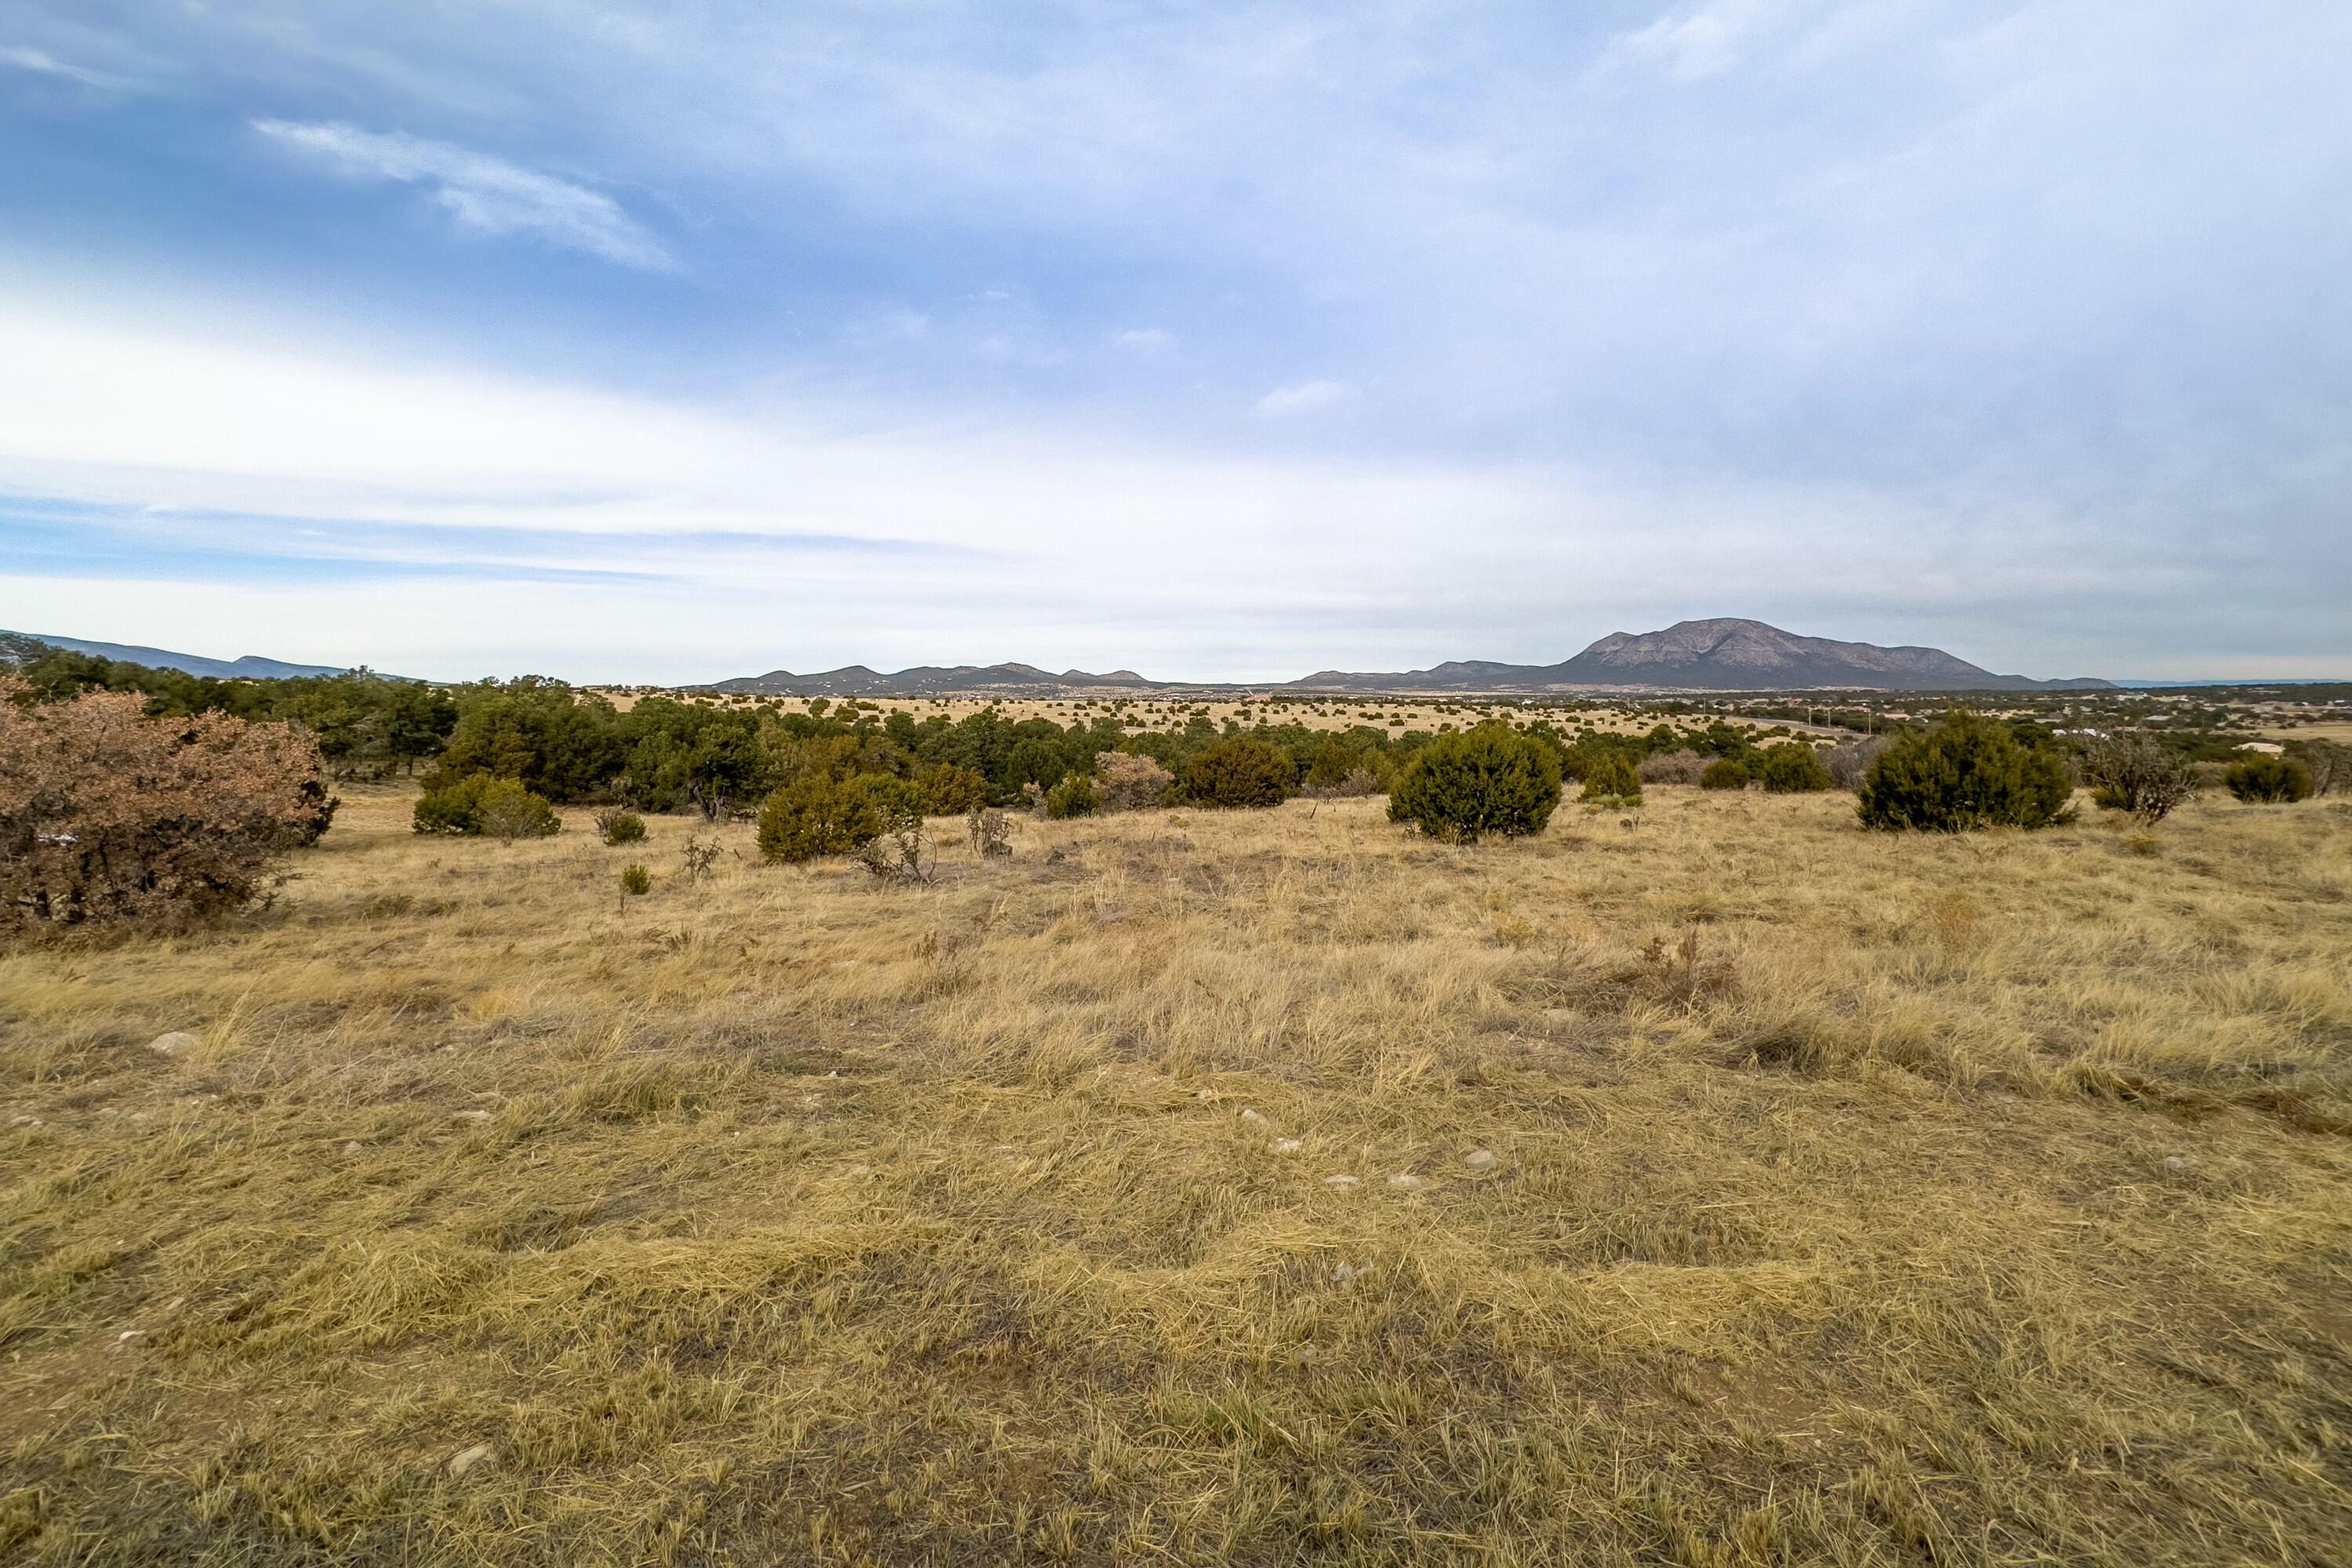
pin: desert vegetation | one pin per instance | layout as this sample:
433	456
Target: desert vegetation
1239	1169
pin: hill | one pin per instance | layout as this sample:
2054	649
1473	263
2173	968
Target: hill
1721	654
249	667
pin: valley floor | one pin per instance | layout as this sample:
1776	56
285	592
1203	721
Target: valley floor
1726	1185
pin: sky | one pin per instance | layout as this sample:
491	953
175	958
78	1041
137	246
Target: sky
668	342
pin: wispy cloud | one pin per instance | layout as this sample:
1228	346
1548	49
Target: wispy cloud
487	195
1143	340
1699	41
1302	398
40	62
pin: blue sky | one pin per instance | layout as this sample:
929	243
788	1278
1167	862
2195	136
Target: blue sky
675	341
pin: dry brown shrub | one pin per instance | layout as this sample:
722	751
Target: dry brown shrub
1672	768
106	814
1124	782
1848	759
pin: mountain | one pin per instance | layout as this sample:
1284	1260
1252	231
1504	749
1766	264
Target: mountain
926	681
1727	655
250	667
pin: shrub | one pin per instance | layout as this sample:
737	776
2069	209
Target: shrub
1609	780
482	804
1124	782
1680	767
1340	771
2265	780
1490	781
2329	762
507	812
1791	768
1965	774
1238	772
1074	796
816	816
107	813
636	880
620	827
990	832
1849	760
2138	773
1724	773
950	790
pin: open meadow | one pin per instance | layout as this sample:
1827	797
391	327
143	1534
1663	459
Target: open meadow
1709	1183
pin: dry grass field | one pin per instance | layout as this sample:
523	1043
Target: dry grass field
1716	1184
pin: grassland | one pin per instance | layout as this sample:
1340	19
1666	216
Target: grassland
1852	1199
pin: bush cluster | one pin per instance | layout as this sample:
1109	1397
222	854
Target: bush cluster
486	806
1609	781
2269	781
106	813
618	827
1965	774
1237	771
1725	773
2138	773
1792	767
1488	782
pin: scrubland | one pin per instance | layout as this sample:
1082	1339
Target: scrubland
1730	1186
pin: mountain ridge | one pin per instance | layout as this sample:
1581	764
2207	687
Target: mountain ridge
247	666
1720	653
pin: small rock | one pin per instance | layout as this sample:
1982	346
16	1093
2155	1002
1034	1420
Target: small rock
173	1044
1482	1159
1253	1118
466	1460
2178	1163
1339	1184
352	1147
1288	1145
1405	1182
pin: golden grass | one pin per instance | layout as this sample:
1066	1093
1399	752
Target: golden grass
1857	1199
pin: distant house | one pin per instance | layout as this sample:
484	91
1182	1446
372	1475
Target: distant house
2271	748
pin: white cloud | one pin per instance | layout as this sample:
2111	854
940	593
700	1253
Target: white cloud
484	194
1143	340
41	63
1301	397
1699	41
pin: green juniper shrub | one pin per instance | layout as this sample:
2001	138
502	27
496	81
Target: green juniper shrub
1725	773
2269	781
618	827
1791	768
818	814
451	808
1074	796
1965	774
506	811
1609	781
1238	772
1490	781
636	880
951	789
